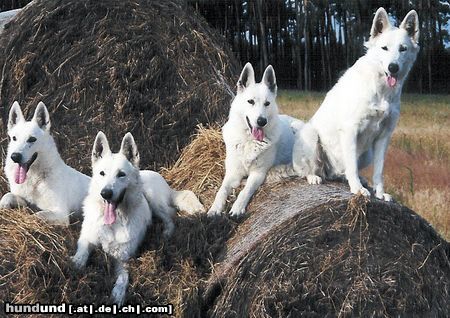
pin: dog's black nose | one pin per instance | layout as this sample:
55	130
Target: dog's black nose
16	157
106	193
393	68
261	121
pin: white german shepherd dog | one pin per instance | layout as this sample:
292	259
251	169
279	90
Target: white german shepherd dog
118	208
256	139
36	173
354	124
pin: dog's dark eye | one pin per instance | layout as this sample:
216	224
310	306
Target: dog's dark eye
102	173
251	102
14	138
121	174
402	48
385	48
31	139
266	103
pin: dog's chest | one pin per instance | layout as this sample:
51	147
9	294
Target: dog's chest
115	240
250	152
375	118
37	191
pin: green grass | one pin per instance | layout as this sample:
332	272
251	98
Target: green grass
417	170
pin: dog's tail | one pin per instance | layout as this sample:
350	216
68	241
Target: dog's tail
186	200
280	172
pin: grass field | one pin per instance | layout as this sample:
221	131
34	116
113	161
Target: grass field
417	170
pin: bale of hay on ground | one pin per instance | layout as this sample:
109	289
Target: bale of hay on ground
317	251
154	68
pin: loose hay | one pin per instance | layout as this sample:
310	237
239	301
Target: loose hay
151	67
201	165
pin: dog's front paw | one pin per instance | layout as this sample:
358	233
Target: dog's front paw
237	209
313	179
213	212
384	196
8	201
77	261
118	294
5	202
197	207
362	191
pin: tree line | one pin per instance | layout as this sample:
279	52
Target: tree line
311	42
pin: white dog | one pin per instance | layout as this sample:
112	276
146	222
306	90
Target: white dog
36	173
118	208
354	124
256	139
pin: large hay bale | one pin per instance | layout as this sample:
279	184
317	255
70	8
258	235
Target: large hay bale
151	67
303	250
316	251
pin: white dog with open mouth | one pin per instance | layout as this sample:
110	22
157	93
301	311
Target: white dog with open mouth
118	208
256	137
354	124
36	173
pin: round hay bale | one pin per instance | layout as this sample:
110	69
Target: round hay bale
151	67
317	251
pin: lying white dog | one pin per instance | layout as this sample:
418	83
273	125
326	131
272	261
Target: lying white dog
256	139
118	208
36	173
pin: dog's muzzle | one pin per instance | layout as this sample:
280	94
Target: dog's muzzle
21	170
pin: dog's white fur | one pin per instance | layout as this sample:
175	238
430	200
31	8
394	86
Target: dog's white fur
56	189
245	155
138	194
354	124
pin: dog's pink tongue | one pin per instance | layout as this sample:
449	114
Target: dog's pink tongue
391	81
21	174
258	133
109	215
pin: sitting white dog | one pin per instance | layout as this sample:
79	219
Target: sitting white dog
354	124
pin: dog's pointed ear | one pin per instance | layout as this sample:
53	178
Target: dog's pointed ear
15	115
411	24
101	147
269	79
247	77
380	23
129	149
41	116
